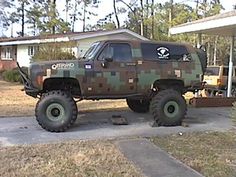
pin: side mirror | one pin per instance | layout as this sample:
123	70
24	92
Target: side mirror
109	59
106	62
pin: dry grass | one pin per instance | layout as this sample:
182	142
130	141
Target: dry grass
212	154
75	158
15	102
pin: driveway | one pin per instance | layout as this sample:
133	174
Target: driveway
97	125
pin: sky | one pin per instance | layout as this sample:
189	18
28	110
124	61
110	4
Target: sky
106	7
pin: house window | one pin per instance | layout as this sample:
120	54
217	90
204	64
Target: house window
6	53
32	50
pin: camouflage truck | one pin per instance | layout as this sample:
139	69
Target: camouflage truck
149	75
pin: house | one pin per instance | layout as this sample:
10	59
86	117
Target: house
21	49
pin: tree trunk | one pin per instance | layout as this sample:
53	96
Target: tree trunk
141	25
52	9
22	18
170	16
74	17
146	15
67	9
54	16
115	11
152	16
84	16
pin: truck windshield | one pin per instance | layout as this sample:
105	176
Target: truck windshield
212	71
89	54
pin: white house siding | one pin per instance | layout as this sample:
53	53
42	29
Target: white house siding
22	55
84	44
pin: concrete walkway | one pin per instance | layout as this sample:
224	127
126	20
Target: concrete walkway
97	125
153	161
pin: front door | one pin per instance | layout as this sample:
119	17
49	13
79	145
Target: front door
115	70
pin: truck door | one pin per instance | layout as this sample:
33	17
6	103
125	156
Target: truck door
115	70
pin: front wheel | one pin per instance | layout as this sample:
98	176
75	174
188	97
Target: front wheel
168	108
56	111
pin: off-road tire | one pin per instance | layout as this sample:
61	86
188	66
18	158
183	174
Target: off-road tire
139	106
168	108
56	111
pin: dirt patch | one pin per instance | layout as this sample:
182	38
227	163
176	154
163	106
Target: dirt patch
15	102
75	158
212	154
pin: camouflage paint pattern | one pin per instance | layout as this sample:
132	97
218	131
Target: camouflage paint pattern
119	77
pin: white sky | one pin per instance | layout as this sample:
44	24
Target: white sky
106	7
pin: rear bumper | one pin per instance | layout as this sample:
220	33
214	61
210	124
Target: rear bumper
28	87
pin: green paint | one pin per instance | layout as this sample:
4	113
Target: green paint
147	79
114	81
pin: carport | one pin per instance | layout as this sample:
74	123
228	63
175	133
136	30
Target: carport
222	24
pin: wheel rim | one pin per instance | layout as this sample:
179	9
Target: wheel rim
55	112
171	109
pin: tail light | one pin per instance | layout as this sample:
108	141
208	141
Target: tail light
218	82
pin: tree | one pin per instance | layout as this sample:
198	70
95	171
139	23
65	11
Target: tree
35	17
116	15
4	23
18	15
105	23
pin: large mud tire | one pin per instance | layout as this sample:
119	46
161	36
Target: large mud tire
139	106
56	111
168	108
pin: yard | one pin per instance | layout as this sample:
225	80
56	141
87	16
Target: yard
15	102
75	158
211	153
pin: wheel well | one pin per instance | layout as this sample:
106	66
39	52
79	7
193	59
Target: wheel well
68	84
169	83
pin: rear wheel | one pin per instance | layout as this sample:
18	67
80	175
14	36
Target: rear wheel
139	106
56	111
168	108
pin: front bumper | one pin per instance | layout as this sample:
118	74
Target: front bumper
28	87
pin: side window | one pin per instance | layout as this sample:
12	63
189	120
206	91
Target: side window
105	53
119	52
164	52
225	71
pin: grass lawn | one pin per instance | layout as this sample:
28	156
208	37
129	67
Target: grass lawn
212	154
70	159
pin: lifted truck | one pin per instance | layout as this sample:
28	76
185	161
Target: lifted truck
149	75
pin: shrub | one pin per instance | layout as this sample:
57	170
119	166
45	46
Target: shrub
13	75
54	51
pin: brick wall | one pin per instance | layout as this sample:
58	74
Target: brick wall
7	64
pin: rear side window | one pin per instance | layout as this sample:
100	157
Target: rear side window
212	71
225	71
164	52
